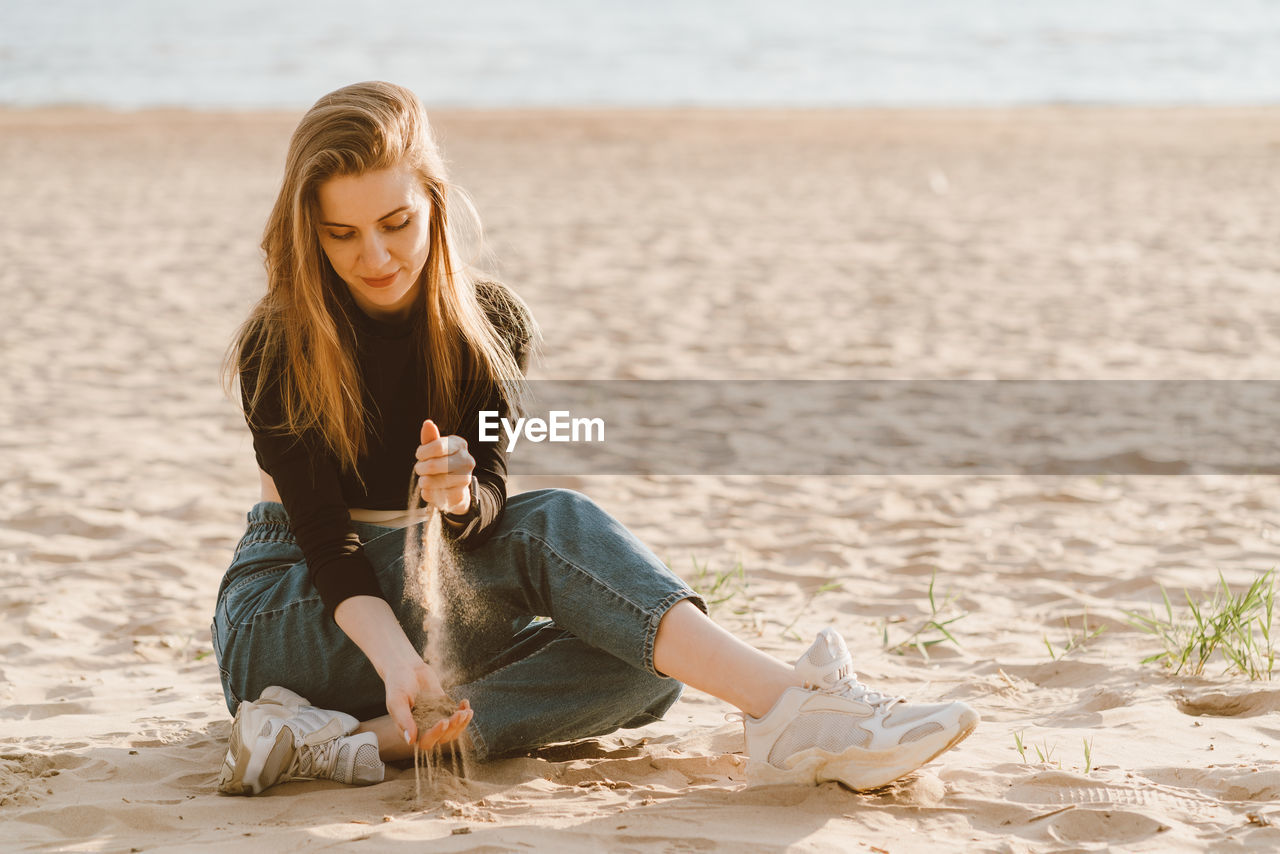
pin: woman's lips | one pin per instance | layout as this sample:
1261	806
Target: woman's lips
380	283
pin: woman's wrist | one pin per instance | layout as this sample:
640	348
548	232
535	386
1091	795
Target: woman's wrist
459	519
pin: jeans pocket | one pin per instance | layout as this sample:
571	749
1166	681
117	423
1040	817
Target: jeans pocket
240	597
216	636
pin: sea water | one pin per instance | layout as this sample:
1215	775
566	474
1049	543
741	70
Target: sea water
512	53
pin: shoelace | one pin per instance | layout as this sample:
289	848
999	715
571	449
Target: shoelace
313	761
849	686
846	686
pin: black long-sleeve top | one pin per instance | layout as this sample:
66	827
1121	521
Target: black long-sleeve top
317	495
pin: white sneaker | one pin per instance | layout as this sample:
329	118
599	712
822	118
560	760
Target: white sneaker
838	729
279	738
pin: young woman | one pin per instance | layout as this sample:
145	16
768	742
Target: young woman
362	371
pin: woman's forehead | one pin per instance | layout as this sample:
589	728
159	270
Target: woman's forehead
367	197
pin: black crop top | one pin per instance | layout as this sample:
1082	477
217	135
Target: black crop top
317	495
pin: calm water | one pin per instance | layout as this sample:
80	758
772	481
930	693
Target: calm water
487	53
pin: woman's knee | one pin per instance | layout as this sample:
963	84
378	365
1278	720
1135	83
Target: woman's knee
558	513
558	501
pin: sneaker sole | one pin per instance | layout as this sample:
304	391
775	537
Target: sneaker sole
231	777
269	760
243	768
857	776
858	769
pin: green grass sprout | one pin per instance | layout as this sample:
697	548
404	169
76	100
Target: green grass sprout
1019	745
1045	752
1237	626
715	586
726	589
931	632
1074	640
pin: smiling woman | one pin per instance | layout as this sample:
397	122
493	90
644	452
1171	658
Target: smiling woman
364	371
379	256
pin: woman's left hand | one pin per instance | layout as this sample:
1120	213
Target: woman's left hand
445	467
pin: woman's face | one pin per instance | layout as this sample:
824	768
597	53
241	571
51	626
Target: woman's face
374	229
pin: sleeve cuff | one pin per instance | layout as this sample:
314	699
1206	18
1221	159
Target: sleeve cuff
470	529
340	579
459	521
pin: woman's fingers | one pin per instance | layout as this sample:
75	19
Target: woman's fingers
444	731
452	498
457	723
441	447
448	729
446	468
440	486
433	736
462	717
402	714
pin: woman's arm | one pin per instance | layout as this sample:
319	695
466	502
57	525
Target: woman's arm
372	625
370	622
303	476
300	473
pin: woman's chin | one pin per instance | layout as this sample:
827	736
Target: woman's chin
378	303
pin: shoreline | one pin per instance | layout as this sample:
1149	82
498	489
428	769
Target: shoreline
1083	110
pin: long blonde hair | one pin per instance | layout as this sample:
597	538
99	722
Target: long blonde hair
299	334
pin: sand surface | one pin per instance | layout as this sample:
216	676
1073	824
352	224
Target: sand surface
1048	244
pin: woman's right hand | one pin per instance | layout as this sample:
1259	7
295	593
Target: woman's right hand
419	681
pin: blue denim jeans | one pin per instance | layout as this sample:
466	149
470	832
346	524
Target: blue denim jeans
584	669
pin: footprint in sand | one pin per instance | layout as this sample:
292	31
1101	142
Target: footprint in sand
1227	704
23	774
1103	825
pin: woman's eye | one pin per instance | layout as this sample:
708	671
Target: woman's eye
402	225
346	236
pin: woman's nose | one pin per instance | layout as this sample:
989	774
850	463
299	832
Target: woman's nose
374	253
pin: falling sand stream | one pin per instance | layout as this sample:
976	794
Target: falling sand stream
434	583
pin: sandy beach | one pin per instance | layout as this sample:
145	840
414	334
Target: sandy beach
996	244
